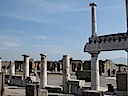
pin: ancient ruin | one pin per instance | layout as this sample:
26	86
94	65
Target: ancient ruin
76	77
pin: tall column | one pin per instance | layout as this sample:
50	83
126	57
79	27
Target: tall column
95	83
43	71
0	66
126	1
93	13
12	68
66	73
25	68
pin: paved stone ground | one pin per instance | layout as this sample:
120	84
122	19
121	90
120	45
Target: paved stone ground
57	81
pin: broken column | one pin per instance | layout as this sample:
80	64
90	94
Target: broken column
94	25
25	68
12	68
66	73
0	65
43	71
95	83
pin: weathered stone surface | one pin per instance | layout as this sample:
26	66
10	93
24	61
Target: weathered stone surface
43	92
91	93
32	90
122	81
84	75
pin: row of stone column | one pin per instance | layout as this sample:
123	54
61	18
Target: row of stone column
43	70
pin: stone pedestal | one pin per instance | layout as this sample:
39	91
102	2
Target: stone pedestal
32	90
122	83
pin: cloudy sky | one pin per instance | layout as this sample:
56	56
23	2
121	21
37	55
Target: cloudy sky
56	27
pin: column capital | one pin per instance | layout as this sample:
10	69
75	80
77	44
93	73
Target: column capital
41	54
65	55
94	54
25	55
92	4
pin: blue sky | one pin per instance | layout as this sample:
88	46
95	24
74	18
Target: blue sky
56	27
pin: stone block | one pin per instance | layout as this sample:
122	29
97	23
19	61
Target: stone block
54	89
91	93
43	92
84	75
32	90
122	81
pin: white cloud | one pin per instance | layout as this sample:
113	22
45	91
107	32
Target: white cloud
43	37
8	42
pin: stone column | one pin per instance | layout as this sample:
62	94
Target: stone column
0	66
12	68
94	25
55	67
82	64
25	68
127	56
126	1
35	69
95	83
43	71
66	73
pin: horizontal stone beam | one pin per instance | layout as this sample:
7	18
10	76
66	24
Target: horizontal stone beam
107	43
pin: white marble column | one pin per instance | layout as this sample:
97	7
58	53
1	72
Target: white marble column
126	2
66	73
94	25
43	71
12	68
95	83
25	68
0	66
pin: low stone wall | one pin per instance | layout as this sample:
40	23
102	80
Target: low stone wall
18	80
